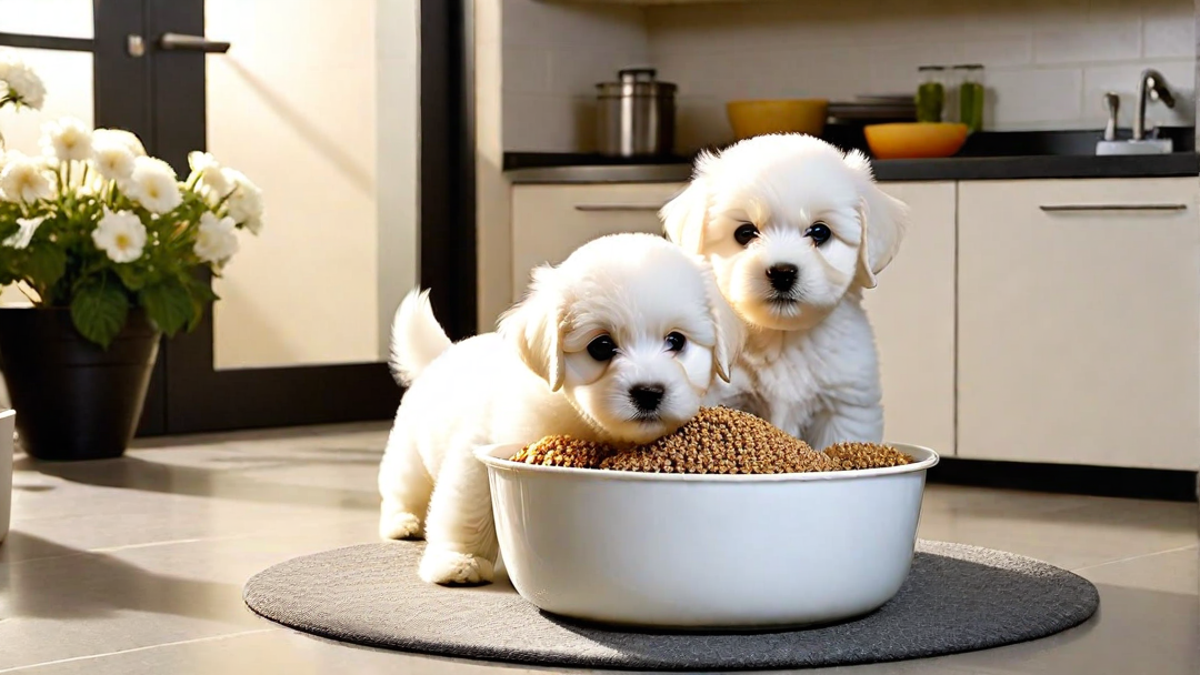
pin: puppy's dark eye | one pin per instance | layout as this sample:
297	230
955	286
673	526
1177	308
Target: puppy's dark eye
602	348
745	234
819	232
676	341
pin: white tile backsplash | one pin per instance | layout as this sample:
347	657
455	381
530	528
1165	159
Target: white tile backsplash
1117	40
527	69
1047	61
1038	99
999	52
1169	31
893	67
554	54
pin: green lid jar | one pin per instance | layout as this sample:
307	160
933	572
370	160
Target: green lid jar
970	95
931	93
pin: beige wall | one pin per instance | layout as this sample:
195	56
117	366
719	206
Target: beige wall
494	232
397	161
316	103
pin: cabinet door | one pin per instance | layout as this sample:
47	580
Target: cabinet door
551	221
1079	322
912	312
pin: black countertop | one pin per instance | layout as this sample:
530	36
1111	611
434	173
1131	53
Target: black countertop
987	156
950	169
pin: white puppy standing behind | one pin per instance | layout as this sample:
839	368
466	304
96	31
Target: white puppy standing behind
620	343
795	230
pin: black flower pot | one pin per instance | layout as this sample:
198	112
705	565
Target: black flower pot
74	399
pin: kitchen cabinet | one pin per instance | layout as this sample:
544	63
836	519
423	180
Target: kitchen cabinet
1079	322
912	310
551	221
1028	320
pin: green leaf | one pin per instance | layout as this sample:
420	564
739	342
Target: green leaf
168	304
99	312
202	297
130	276
45	264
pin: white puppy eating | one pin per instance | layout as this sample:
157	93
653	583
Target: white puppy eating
620	343
795	230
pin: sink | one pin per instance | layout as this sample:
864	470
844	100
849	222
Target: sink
1149	146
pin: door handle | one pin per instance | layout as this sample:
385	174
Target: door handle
617	207
1061	208
191	43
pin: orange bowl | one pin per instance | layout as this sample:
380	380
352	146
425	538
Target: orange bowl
797	115
915	140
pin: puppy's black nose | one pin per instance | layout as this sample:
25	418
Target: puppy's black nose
782	276
646	397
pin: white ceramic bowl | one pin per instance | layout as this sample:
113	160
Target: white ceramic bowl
706	551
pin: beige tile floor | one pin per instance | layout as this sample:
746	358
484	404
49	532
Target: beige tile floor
136	565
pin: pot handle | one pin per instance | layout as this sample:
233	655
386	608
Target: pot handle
627	75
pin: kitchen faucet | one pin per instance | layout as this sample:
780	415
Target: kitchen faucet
1150	83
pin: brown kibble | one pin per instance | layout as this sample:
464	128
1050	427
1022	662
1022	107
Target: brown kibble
851	456
719	441
564	451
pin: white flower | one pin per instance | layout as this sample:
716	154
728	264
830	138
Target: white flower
24	235
216	240
121	235
24	179
152	184
245	202
93	185
206	172
22	84
67	139
114	160
119	137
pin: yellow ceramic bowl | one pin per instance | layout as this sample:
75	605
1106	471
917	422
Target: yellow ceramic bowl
755	118
915	140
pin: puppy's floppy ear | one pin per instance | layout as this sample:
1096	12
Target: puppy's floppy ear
884	220
686	215
729	328
534	327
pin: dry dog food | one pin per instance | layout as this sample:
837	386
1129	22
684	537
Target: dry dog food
717	440
564	451
850	456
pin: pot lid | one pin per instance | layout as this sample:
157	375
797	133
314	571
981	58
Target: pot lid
636	81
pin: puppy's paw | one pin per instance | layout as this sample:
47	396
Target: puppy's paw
399	526
451	568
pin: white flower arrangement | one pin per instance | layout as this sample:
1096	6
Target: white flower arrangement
97	225
22	86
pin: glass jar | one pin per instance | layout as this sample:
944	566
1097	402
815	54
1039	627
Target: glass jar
931	93
951	81
970	96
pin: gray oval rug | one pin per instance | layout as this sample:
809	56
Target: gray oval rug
956	599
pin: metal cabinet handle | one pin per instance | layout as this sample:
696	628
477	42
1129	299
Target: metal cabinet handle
1059	208
191	43
617	207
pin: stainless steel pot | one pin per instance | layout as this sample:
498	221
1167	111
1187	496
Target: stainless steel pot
635	115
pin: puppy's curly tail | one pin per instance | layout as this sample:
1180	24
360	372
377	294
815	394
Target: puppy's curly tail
417	338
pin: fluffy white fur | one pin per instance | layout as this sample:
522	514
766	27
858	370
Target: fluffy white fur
535	377
810	365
